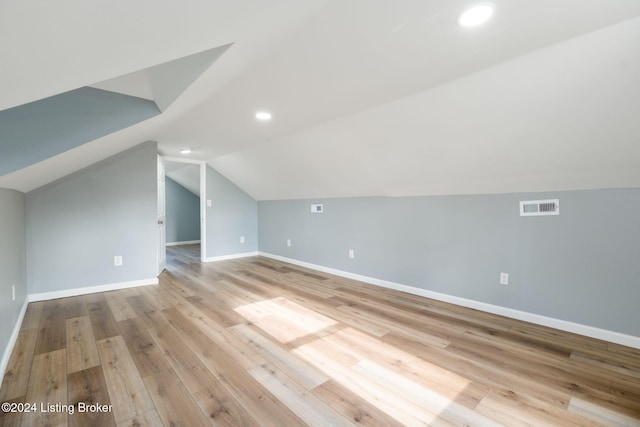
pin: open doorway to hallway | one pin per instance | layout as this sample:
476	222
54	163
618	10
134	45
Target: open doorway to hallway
185	221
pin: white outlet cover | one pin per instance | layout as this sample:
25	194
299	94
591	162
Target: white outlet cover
504	278
288	242
117	260
351	253
209	203
241	239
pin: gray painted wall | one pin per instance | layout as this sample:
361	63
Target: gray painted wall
38	130
12	262
182	213
233	214
75	226
581	266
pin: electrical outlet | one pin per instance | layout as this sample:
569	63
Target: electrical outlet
209	203
288	242
117	260
241	239
504	278
351	253
13	292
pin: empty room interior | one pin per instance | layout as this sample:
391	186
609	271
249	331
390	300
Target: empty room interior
320	212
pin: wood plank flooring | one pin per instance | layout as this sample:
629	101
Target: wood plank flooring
256	342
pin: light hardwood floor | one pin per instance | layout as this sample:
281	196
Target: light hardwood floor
256	342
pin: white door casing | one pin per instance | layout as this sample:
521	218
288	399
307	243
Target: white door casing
162	251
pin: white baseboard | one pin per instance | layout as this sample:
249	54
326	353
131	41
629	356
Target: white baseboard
91	289
12	340
232	256
188	242
564	325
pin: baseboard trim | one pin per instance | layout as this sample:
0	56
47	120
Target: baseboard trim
188	242
12	340
232	256
91	289
564	325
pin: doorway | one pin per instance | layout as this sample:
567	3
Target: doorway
183	195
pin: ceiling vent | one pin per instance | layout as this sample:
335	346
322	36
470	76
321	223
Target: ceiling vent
540	207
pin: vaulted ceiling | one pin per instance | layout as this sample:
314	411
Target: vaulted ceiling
368	97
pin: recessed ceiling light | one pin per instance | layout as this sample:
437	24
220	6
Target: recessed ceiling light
185	151
263	116
477	15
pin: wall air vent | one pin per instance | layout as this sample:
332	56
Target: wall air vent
540	207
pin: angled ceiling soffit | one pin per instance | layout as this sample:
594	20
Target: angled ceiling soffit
165	83
36	131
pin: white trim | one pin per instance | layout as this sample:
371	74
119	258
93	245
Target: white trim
161	247
187	242
91	289
564	325
12	340
232	256
203	211
174	159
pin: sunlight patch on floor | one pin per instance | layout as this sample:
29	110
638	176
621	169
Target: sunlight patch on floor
283	319
409	389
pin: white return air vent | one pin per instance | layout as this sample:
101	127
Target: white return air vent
540	207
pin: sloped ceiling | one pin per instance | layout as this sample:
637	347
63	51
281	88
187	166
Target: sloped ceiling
188	176
561	118
166	82
41	129
368	97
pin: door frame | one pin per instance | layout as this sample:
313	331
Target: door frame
203	199
161	215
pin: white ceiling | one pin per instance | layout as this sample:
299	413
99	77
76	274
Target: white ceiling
188	176
369	97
